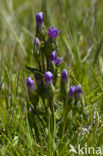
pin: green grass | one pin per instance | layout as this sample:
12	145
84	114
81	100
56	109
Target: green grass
80	43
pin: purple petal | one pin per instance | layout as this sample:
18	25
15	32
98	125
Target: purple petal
53	55
64	75
58	60
55	33
48	77
36	41
30	84
51	29
71	92
79	89
52	32
40	19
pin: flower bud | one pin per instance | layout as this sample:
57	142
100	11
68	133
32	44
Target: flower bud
49	88
71	92
53	55
53	33
36	41
79	91
30	85
40	20
48	77
64	75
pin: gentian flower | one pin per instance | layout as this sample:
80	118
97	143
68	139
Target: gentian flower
53	55
54	58
64	75
79	91
58	60
36	41
53	33
71	92
40	20
38	80
48	77
30	85
49	88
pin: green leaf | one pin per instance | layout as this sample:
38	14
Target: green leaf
35	71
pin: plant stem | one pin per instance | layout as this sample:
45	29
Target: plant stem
65	116
52	116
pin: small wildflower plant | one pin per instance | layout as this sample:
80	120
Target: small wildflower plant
52	110
51	77
60	107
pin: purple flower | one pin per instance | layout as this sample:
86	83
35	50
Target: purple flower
38	80
71	92
30	84
48	77
36	41
64	75
79	90
54	58
53	33
58	60
40	19
53	55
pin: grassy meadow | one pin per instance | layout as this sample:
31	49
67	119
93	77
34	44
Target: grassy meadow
80	44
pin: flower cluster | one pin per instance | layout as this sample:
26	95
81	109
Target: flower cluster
75	91
54	58
46	76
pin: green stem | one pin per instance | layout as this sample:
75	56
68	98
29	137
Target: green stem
43	63
39	65
52	116
64	117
